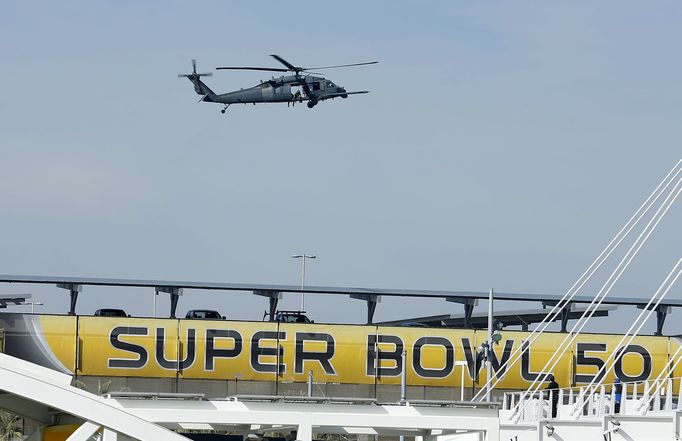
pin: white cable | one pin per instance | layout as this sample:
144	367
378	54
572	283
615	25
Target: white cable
648	311
606	288
587	275
596	264
639	323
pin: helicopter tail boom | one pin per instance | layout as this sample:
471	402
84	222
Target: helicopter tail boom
202	89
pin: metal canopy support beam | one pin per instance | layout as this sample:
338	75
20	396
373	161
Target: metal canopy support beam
469	305
372	300
174	293
73	289
565	312
273	298
662	312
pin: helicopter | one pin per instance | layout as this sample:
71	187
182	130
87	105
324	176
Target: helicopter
276	90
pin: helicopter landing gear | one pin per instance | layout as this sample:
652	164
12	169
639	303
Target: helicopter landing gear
311	104
224	109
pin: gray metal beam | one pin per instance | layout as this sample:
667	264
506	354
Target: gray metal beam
565	312
469	305
175	293
273	300
662	312
521	317
372	301
526	297
74	289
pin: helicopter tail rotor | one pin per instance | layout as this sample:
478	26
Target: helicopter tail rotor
199	87
194	73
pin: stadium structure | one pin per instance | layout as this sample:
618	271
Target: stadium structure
439	378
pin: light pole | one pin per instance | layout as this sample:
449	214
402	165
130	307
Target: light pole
489	346
303	257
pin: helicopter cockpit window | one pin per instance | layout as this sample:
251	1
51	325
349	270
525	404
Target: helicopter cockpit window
316	85
330	84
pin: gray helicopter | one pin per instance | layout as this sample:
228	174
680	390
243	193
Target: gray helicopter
311	88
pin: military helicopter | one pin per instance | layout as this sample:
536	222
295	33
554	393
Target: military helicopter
276	90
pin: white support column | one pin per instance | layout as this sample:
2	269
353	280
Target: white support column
85	431
493	430
624	399
109	435
305	431
657	396
50	388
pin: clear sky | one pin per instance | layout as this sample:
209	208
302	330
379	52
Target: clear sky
503	144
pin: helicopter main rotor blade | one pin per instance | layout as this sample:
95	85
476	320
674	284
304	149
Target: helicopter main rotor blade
341	65
286	63
267	69
195	75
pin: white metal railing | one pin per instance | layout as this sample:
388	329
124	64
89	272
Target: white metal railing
639	398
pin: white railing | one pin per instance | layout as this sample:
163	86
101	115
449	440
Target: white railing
642	398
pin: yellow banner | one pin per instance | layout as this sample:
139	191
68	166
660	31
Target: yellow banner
131	347
263	351
230	350
430	355
60	333
335	354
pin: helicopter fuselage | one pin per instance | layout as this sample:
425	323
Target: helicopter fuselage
278	90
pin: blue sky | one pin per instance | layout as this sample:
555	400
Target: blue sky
502	145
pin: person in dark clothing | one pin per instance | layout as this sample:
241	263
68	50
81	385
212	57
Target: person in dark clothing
553	386
618	395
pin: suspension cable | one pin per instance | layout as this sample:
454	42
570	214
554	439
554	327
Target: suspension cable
605	290
587	275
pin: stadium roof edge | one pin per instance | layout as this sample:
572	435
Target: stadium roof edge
478	295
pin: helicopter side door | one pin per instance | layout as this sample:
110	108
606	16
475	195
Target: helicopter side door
283	93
